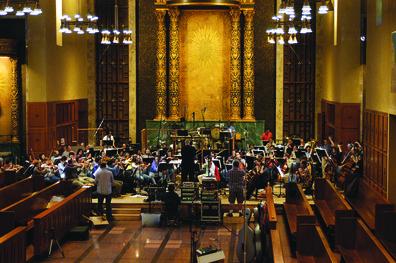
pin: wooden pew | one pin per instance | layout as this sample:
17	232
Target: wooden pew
274	235
296	204
328	200
60	218
13	246
7	177
356	242
19	190
34	204
32	213
365	203
312	245
385	230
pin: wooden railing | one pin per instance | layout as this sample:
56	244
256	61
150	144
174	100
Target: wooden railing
12	246
21	189
60	218
274	233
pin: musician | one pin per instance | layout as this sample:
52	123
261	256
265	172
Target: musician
212	171
109	137
266	136
61	167
257	180
270	172
188	153
236	179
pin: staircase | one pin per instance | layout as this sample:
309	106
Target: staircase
126	212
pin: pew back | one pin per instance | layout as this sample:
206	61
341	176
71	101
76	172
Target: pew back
356	242
328	200
60	218
12	246
276	243
27	207
312	245
296	204
16	191
365	201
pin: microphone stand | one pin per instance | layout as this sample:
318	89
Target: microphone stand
97	129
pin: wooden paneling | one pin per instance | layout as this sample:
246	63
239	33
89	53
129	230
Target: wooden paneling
375	143
49	121
112	85
341	121
299	86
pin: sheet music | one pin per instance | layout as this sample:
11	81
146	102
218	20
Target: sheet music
280	172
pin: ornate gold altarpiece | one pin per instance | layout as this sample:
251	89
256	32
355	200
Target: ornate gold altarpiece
9	92
201	62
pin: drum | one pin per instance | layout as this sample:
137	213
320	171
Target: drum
215	133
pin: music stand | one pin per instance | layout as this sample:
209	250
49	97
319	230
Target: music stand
111	152
301	154
282	175
54	240
107	142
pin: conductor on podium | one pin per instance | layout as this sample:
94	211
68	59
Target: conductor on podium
188	153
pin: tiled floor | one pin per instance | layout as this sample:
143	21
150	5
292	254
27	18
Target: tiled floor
127	241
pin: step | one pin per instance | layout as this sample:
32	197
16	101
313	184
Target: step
127	217
122	210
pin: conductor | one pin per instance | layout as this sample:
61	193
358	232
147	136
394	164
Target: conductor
188	153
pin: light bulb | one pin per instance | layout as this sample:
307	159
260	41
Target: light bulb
8	8
281	40
292	30
19	13
27	9
323	8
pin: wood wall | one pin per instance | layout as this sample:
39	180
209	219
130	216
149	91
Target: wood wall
47	122
340	120
375	143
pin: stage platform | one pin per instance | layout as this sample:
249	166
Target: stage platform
130	207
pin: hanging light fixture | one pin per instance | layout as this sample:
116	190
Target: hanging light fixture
105	37
79	25
323	8
37	10
20	8
116	36
286	24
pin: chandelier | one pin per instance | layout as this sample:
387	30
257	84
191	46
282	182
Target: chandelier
286	24
78	25
115	35
20	8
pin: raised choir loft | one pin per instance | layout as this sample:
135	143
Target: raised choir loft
198	131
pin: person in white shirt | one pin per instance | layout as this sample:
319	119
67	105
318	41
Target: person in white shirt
61	167
109	137
104	182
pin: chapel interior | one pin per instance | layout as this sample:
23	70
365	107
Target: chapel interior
198	131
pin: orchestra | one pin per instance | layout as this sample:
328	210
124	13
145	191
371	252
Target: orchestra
269	164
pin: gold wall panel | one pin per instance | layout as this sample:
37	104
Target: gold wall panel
205	46
5	97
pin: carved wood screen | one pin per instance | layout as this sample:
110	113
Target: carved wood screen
112	84
299	85
375	143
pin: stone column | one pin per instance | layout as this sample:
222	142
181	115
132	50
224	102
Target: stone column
160	82
248	66
235	92
174	64
14	101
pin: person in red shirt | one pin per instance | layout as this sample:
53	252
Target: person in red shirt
266	136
